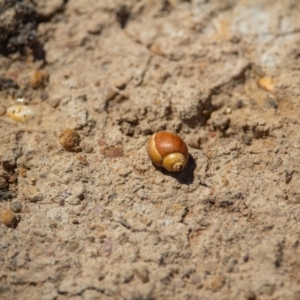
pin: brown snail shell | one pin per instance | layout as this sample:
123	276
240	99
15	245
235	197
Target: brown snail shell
167	150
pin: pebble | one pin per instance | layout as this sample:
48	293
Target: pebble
70	140
82	160
16	206
91	239
249	295
142	272
108	246
216	283
224	181
266	83
38	78
32	194
73	246
8	218
20	113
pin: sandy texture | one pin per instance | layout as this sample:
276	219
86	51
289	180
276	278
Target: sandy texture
88	216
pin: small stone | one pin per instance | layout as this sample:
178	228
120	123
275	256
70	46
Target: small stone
224	181
44	96
288	177
266	83
8	218
73	246
108	245
33	178
16	206
32	194
216	283
54	102
91	239
91	226
82	160
87	148
22	172
110	94
120	84
20	113
113	151
249	295
228	111
196	280
142	272
101	235
70	140
239	104
38	78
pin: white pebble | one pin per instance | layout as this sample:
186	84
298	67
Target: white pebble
20	113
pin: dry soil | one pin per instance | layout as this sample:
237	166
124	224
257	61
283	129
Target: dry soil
96	220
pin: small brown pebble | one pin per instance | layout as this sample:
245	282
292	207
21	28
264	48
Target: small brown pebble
120	84
110	94
32	194
113	151
266	83
102	143
239	104
8	218
212	134
142	272
37	138
22	172
33	178
44	96
82	160
91	226
87	148
73	246
54	102
224	181
249	295
38	78
288	177
101	235
216	283
26	210
70	140
16	207
91	239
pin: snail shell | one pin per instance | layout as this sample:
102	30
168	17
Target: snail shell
168	150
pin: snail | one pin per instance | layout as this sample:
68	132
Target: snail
168	150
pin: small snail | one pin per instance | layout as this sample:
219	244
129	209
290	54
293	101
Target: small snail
168	150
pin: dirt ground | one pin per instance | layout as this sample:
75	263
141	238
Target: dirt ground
97	220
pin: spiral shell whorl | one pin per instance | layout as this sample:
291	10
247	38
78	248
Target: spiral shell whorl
168	150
